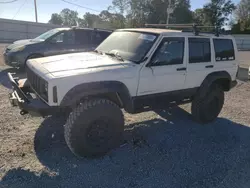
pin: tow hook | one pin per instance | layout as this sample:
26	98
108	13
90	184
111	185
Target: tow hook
23	112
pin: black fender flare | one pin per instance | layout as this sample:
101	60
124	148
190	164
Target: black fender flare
212	78
77	93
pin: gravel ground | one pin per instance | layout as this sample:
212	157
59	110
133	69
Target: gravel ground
2	46
163	149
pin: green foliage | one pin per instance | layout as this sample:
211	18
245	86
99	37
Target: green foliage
138	13
243	10
119	6
56	19
241	27
135	13
199	17
69	17
91	19
182	13
217	11
243	17
114	20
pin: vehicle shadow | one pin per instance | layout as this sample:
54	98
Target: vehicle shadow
169	151
4	80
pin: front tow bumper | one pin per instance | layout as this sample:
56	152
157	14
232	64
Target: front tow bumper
21	95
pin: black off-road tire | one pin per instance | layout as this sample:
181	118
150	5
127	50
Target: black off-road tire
94	127
207	108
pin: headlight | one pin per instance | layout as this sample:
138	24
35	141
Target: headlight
17	49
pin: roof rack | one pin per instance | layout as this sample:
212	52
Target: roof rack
92	28
103	29
75	27
195	27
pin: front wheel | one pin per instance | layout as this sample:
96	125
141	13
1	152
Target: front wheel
94	127
206	109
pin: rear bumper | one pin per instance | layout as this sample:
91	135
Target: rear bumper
21	96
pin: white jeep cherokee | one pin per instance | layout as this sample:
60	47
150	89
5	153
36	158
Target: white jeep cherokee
134	69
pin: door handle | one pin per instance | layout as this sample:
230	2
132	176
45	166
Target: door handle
209	66
181	69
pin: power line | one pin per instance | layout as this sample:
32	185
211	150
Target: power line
80	6
3	2
19	9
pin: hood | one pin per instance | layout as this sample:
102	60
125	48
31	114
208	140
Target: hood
77	63
22	43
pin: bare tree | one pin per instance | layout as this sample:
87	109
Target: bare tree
243	10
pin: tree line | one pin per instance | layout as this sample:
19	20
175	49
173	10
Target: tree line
136	13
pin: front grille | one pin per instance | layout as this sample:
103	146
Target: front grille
37	83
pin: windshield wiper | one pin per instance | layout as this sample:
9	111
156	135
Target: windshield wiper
116	55
97	51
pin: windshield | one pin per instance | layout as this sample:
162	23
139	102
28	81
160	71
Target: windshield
48	34
132	46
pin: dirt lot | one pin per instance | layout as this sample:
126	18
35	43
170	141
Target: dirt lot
163	149
1	53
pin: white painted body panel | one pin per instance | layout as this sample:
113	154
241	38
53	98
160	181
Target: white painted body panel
160	79
197	72
69	70
230	66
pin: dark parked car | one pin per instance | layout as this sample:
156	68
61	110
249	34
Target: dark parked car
54	42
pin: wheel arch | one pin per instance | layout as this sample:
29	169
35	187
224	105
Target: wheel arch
222	78
115	91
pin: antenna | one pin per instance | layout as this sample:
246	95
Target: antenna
195	27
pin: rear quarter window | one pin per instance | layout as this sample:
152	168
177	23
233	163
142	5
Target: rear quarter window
224	50
99	36
83	37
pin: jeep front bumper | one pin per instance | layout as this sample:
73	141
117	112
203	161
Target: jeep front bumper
21	95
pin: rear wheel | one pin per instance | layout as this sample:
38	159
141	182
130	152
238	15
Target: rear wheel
94	128
206	109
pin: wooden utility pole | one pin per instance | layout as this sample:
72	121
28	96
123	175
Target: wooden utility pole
35	9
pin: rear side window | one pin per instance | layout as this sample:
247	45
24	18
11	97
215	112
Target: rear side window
69	37
99	36
83	37
65	37
224	50
199	50
104	34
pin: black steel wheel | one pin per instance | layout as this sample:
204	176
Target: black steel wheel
94	128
